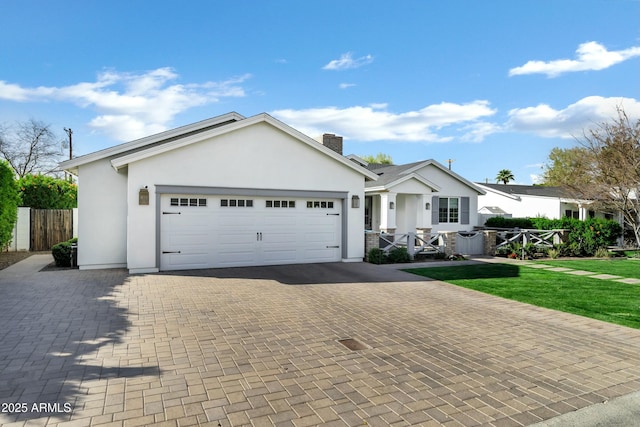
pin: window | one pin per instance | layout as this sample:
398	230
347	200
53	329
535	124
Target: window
323	204
448	209
236	203
280	204
175	201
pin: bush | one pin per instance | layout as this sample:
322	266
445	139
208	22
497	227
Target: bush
376	256
553	253
601	253
8	203
45	192
399	255
583	238
62	253
502	222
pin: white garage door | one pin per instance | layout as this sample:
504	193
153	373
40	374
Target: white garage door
227	231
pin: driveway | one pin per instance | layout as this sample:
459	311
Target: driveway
259	346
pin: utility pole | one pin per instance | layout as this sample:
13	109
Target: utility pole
69	134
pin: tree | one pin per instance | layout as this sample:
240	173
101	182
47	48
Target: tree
504	176
30	147
8	203
609	168
46	192
380	158
566	166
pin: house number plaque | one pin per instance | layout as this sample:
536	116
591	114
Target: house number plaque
143	197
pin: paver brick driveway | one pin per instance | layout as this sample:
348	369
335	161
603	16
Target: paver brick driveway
258	346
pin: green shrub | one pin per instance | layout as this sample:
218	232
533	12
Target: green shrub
62	252
399	255
45	192
376	256
553	253
8	203
601	253
502	222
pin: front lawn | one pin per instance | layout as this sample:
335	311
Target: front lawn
605	300
620	267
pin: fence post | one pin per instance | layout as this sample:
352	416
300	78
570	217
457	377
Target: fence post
450	242
411	244
490	243
371	240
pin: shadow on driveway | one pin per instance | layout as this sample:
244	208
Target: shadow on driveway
309	274
54	324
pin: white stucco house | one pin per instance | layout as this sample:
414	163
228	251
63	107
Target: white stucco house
419	196
227	191
520	201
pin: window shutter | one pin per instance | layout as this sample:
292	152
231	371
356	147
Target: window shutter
464	210
435	210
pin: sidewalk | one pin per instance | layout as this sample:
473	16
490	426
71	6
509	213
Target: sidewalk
30	265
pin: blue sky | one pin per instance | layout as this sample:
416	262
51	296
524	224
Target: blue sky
492	85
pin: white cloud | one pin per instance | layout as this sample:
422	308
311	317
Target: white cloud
347	61
131	105
375	123
346	85
590	56
571	121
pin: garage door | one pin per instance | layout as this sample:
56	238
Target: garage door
229	231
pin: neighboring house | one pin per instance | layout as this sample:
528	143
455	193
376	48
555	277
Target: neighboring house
420	196
522	201
228	191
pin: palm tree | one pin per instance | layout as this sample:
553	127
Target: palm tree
504	176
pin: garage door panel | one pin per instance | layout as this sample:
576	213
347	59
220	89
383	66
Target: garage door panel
222	235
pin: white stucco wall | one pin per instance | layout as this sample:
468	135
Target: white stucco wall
258	156
452	187
21	234
525	206
102	216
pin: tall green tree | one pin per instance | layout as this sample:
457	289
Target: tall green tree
567	166
8	203
380	158
505	176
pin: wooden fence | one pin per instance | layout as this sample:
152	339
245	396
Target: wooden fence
49	227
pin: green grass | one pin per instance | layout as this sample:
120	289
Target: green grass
620	267
605	300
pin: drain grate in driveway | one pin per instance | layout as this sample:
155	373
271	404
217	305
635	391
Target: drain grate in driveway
353	344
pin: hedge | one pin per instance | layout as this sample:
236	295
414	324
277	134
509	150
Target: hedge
9	200
584	238
45	192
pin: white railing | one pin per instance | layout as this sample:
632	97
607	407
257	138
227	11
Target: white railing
545	238
415	244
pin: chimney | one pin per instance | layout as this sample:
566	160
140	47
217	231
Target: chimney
333	142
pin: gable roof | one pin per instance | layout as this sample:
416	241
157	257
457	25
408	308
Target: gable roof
527	190
390	175
152	140
140	149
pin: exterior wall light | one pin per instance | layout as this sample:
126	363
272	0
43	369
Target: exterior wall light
427	206
392	205
355	202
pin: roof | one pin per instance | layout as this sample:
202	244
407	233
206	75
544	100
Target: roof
493	210
153	140
529	190
123	154
389	175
